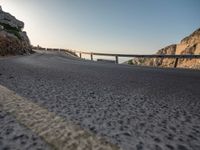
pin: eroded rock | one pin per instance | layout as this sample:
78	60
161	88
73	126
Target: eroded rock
13	40
189	45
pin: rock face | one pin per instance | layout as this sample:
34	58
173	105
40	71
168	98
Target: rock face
189	45
13	40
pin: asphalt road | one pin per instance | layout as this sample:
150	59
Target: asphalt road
134	107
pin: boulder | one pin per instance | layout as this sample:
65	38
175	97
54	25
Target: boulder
13	40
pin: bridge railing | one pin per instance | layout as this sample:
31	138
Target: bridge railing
176	57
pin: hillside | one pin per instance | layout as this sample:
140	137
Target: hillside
188	45
13	40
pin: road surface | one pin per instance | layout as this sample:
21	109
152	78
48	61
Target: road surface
134	107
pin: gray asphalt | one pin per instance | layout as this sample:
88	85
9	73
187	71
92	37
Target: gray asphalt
134	107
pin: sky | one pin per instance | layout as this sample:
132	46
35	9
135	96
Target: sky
111	26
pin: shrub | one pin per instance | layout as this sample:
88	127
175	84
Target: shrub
8	27
12	30
130	62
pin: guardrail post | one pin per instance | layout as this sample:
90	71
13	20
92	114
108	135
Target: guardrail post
116	59
91	56
176	63
80	55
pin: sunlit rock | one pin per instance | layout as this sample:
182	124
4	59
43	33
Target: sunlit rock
13	40
189	45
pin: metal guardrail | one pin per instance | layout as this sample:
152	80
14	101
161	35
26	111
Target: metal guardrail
176	57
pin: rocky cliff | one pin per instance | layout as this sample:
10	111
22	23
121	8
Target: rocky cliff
13	40
189	45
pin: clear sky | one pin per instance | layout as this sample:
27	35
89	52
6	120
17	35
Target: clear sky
117	26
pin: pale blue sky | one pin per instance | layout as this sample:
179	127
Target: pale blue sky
117	26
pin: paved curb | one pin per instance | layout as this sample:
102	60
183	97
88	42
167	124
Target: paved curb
56	131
